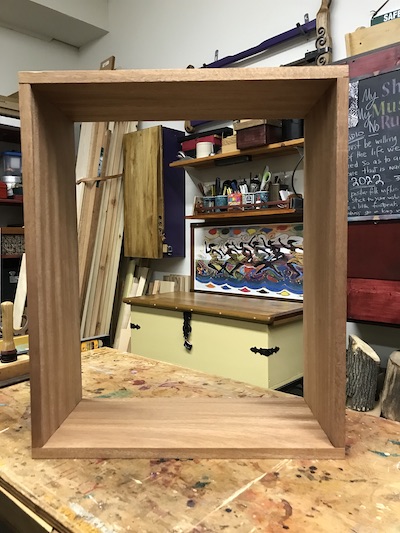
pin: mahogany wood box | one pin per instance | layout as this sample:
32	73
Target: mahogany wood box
258	136
66	425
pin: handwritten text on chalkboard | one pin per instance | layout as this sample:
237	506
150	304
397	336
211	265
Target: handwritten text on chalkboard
374	148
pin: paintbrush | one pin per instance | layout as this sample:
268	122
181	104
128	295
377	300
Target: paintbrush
8	352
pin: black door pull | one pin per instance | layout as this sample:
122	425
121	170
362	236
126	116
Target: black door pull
265	351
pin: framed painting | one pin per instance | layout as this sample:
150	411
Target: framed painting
251	260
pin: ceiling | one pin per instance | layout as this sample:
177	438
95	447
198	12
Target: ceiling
67	25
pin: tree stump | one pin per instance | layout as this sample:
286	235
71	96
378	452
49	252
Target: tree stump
391	388
362	368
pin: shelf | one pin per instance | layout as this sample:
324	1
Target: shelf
11	256
257	213
11	230
11	201
272	150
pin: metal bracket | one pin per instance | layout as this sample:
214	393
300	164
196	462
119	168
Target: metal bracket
265	351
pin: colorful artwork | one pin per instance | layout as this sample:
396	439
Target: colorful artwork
251	260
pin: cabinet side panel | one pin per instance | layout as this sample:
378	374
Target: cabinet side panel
325	261
52	263
174	194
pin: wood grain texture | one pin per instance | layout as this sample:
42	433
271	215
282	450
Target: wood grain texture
52	263
379	238
325	247
287	92
90	209
190	427
253	309
283	214
143	194
373	300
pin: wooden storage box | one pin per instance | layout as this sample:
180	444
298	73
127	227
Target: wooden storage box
258	136
64	424
223	333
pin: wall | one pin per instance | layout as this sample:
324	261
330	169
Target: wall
21	52
156	34
91	11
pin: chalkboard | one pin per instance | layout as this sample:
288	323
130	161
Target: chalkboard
374	147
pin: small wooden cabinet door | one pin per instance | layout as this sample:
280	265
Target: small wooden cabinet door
143	194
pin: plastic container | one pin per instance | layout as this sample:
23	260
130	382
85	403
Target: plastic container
10	164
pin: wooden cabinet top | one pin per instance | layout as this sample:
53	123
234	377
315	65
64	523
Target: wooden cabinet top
262	310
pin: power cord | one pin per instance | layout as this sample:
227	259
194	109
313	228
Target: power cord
293	173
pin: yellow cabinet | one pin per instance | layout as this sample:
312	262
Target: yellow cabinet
224	329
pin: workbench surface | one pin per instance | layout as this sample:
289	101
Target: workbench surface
358	494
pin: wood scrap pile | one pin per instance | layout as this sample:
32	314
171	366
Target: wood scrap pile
137	283
99	169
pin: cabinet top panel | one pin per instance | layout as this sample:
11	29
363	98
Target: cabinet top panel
187	94
239	307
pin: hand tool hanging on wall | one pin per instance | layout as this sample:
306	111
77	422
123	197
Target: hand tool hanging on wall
321	56
323	42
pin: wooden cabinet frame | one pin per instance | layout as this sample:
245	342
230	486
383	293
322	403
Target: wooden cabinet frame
64	424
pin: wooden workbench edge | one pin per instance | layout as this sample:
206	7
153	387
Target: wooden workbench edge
260	310
38	513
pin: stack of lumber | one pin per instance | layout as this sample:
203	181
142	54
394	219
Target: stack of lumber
182	283
137	283
100	204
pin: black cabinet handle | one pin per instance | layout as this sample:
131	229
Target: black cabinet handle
187	329
135	326
265	351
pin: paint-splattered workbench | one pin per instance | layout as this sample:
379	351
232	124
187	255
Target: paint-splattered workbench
359	494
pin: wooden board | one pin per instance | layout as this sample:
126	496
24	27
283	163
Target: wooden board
52	263
373	300
253	309
365	39
325	247
190	427
284	92
143	194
